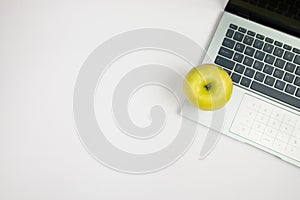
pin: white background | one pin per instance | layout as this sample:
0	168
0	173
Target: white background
42	47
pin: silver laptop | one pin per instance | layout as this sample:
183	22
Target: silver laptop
258	43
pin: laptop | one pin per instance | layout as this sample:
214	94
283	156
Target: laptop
258	43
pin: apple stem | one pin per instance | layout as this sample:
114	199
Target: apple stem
208	86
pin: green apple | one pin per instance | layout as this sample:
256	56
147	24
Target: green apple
208	87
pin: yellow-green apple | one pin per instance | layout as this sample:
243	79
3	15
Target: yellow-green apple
208	87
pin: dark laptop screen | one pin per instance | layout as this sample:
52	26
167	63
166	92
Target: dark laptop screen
283	15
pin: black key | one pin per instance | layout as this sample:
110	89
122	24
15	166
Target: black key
226	52
239	47
249	51
295	50
233	26
259	36
290	67
228	64
258	65
245	82
297	81
238	57
269	59
298	92
259	87
229	33
258	44
279	63
289	77
268	69
287	47
259	55
228	71
278	73
279	84
241	29
251	33
277	43
249	72
228	43
298	70
259	76
269	40
290	89
278	52
248	40
269	81
268	48
248	61
288	56
236	77
238	36
239	68
297	60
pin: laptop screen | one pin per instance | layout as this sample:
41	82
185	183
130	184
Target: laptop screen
283	15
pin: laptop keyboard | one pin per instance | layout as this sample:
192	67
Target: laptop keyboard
261	64
269	126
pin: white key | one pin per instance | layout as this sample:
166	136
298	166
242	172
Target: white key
279	146
277	114
296	131
290	119
271	131
294	142
267	140
266	110
293	151
283	137
262	118
274	123
240	130
259	127
255	136
286	128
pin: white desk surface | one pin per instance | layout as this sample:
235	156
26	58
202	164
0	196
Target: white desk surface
43	45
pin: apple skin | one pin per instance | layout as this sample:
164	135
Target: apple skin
208	87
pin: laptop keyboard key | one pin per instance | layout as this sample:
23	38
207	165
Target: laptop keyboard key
249	72
298	71
297	81
287	47
226	52
269	80
259	55
248	40
251	33
290	89
269	59
259	36
295	50
278	73
290	67
269	40
259	87
289	77
249	51
278	52
245	82
236	77
229	33
279	84
228	43
277	43
239	47
241	29
238	36
288	56
228	64
258	44
248	61
268	48
298	93
233	26
279	63
258	65
238	57
268	69
297	60
239	68
259	76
